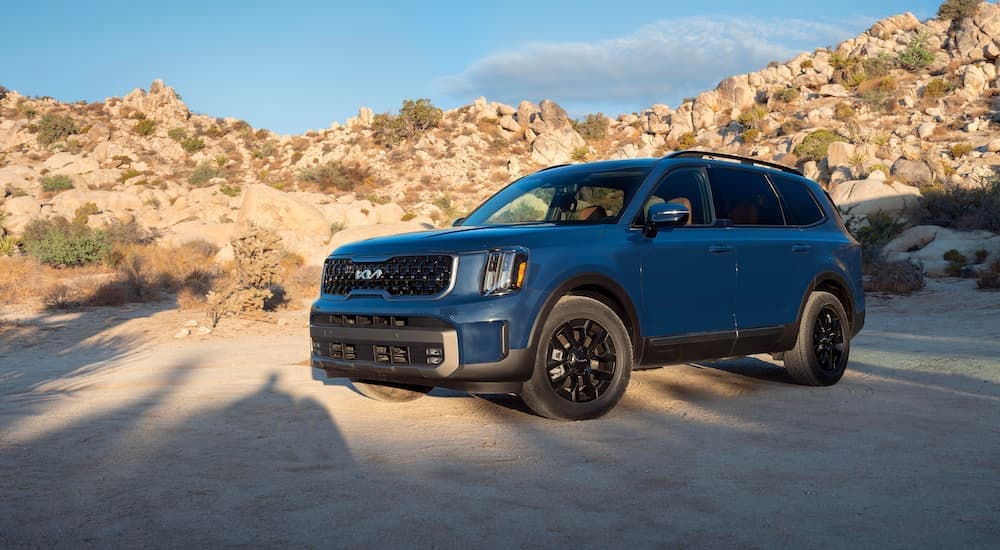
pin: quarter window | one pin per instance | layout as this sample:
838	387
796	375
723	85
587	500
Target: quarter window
799	204
744	197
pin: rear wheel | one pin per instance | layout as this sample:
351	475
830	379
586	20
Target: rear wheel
394	393
583	363
821	350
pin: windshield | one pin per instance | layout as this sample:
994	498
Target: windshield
576	194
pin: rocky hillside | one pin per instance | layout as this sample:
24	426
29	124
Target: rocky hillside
905	105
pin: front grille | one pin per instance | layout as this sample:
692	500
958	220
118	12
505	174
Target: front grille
398	276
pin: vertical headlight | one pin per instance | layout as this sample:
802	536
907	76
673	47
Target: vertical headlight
505	270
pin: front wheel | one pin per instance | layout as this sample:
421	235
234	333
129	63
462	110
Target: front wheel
393	393
819	357
583	362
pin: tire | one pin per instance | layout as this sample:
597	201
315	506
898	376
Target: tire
823	345
392	393
583	362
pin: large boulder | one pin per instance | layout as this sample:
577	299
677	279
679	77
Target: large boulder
913	172
928	244
861	198
268	208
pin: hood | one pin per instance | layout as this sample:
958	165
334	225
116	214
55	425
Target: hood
460	240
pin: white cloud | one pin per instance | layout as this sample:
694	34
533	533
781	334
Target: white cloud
661	62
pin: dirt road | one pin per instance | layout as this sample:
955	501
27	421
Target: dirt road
113	433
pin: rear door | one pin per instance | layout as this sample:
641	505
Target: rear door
773	260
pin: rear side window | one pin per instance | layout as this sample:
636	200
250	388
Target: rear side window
799	204
744	196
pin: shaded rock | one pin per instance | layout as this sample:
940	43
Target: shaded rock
861	198
927	244
913	172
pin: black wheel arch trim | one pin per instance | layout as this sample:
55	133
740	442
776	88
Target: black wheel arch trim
817	282
601	283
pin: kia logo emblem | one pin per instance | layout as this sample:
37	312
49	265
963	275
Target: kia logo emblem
367	274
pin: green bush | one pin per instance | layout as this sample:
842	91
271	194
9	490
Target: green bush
414	118
177	134
814	146
333	175
786	95
192	144
687	141
56	241
938	87
963	208
55	184
144	127
916	56
959	150
593	127
230	190
52	128
579	154
84	212
958	9
203	172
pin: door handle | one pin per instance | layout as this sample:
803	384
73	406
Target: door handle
799	247
720	248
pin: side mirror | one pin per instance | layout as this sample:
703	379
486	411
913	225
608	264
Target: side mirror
665	214
457	222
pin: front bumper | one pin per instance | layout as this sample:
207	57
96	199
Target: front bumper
418	350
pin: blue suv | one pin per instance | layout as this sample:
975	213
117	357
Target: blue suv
562	283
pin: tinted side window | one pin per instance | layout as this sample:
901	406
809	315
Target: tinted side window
745	197
799	204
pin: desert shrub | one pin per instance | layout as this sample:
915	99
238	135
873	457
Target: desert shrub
956	261
56	241
9	245
257	253
958	9
750	135
579	154
916	56
144	127
593	127
55	184
177	134
965	208
334	176
895	277
881	229
127	233
415	117
938	87
84	211
687	141
444	203
129	174
786	95
959	150
981	255
843	111
203	172
814	146
807	64
230	190
791	126
192	144
268	148
52	128
989	278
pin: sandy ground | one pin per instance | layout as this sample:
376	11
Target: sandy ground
113	433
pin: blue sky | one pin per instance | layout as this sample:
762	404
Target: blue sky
290	66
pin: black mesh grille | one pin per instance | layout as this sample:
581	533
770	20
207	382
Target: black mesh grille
399	276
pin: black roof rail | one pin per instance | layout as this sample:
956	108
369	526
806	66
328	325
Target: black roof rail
742	160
